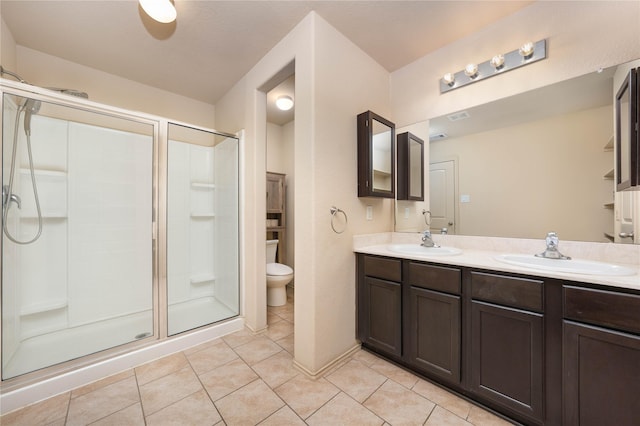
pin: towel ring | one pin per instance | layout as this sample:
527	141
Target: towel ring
334	210
424	214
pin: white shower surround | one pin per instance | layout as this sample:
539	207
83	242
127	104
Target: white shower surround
135	313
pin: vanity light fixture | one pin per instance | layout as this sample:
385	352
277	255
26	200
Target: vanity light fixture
162	11
526	54
284	103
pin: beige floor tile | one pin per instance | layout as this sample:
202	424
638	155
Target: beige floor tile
343	410
443	398
287	315
257	350
103	402
283	417
398	405
481	417
272	318
287	343
240	337
442	417
161	367
166	390
211	357
357	380
101	383
395	373
276	369
227	379
249	405
195	409
306	395
367	358
129	416
279	330
202	346
40	413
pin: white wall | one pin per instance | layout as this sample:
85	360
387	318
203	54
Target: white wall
7	48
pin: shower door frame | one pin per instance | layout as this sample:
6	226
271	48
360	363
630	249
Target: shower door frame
159	190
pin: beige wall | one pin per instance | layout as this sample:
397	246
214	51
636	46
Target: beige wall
328	99
49	71
582	37
533	178
7	48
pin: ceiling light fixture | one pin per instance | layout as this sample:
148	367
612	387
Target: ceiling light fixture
285	103
162	11
526	54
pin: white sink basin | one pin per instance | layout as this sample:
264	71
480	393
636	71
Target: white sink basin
573	266
417	249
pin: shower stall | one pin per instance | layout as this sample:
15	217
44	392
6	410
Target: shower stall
119	230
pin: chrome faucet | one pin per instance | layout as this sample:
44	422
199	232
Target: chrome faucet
427	241
552	252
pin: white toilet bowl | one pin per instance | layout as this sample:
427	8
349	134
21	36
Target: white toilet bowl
278	276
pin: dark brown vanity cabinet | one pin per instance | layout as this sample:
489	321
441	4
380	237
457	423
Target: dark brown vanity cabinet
601	361
507	342
432	332
376	156
380	304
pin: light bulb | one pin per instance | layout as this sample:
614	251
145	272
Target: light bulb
449	79
497	62
471	71
526	50
285	103
162	11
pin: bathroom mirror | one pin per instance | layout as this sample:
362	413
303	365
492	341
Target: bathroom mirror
410	167
531	163
376	157
627	132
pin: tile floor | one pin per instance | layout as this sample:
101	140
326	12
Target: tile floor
247	379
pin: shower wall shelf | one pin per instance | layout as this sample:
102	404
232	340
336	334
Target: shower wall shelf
204	278
203	185
39	308
202	215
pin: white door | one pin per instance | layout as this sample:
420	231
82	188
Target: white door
442	196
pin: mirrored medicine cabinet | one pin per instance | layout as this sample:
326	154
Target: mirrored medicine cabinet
410	153
376	156
627	133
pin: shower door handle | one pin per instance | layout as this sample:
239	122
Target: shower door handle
7	197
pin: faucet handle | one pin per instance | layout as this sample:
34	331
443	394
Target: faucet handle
552	239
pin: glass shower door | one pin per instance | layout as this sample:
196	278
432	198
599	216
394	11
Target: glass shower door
202	228
77	247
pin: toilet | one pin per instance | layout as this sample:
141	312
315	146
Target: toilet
278	276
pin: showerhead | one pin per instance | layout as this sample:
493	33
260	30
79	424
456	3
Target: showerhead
30	107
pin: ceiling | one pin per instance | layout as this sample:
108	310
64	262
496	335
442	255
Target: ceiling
213	44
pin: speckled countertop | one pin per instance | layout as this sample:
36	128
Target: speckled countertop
481	252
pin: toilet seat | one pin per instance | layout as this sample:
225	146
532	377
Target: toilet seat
278	269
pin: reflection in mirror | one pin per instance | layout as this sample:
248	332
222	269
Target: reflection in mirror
534	162
410	167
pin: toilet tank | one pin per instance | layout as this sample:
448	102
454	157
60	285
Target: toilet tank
272	248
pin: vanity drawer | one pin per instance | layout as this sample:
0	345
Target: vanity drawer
434	277
382	267
510	291
606	308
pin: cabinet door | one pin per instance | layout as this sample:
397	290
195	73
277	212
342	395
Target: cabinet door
601	382
275	193
432	334
380	318
506	357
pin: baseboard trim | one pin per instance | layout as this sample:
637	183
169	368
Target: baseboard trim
317	374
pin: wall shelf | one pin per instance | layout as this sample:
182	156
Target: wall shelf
202	278
202	215
203	185
38	308
608	175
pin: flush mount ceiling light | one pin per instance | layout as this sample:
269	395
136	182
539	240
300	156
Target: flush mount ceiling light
162	11
527	54
285	103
